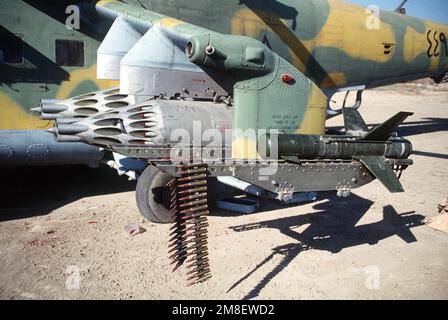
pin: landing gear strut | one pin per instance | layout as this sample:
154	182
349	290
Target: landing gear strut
336	112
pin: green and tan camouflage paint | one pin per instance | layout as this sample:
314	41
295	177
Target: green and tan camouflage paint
327	40
39	77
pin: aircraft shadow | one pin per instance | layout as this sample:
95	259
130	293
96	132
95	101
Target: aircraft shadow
38	69
29	192
333	228
91	25
428	125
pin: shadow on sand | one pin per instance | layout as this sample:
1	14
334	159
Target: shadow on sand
333	228
28	192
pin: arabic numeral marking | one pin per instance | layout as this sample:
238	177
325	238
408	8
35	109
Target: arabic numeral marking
443	40
430	43
436	53
437	43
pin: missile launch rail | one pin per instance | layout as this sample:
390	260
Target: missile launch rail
283	177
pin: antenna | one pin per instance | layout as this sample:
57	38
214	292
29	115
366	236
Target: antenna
400	8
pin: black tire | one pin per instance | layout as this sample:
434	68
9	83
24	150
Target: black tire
152	195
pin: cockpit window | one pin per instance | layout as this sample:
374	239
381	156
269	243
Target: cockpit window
11	49
70	53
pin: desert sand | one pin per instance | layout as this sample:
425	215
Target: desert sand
60	223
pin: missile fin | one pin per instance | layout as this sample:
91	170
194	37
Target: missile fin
382	171
384	131
354	123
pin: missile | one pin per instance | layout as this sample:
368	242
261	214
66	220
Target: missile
373	149
71	129
84	106
335	147
53	108
66	121
145	124
49	116
51	101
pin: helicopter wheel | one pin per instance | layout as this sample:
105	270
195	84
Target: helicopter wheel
153	195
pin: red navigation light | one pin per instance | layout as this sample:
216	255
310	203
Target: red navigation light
286	78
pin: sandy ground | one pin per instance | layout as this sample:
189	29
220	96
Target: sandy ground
58	222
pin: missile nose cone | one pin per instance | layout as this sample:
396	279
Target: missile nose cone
53	130
71	129
37	109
